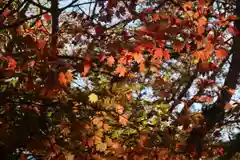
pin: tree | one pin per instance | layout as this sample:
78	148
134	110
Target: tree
76	83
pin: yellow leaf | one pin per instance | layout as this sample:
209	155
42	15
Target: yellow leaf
93	98
108	141
101	147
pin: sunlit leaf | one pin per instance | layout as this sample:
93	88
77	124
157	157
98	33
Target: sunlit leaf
93	98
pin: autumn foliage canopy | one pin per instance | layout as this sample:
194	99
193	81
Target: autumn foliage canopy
119	79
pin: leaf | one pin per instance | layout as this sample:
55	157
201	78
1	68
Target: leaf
123	119
158	53
101	147
119	108
106	127
121	70
69	76
228	106
141	67
110	61
155	16
231	91
90	142
108	141
86	66
221	53
41	44
202	21
93	98
178	46
138	57
6	12
62	79
47	17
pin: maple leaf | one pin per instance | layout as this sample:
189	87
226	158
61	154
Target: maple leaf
141	67
166	54
119	108
178	46
108	141
106	127
221	53
62	79
110	61
47	17
90	142
41	44
101	147
121	70
86	66
155	16
138	57
69	76
123	119
93	98
101	57
158	53
231	91
202	21
228	106
6	12
12	64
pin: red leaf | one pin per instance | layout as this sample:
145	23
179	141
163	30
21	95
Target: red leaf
86	67
221	53
158	53
101	57
47	17
99	29
12	64
6	12
41	44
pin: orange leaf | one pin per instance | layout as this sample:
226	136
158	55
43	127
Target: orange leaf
106	127
110	61
231	91
200	29
228	106
155	16
141	67
188	6
69	76
138	57
221	53
123	119
119	109
121	70
62	79
202	21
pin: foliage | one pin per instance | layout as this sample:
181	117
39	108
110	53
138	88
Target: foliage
74	84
